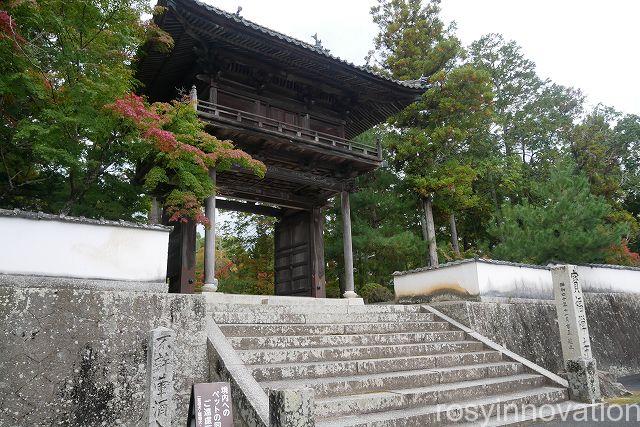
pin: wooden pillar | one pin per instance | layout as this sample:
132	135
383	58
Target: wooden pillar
349	288
213	93
210	281
181	260
318	279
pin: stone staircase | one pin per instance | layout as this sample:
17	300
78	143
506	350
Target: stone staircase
388	365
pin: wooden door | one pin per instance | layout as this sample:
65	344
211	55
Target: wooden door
292	261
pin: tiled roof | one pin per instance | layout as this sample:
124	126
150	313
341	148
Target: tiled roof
414	84
17	213
512	264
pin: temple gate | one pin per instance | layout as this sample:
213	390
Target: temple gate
291	105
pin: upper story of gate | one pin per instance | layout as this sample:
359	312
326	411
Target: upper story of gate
288	103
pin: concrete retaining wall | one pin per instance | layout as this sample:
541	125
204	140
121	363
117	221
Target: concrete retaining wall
478	279
78	357
59	246
530	329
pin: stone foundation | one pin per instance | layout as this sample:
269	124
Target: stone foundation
78	357
530	329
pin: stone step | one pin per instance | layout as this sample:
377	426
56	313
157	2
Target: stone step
414	308
437	414
543	414
330	329
254	357
308	308
285	371
240	317
391	400
358	384
299	341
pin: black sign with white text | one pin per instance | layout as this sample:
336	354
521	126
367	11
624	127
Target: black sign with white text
210	405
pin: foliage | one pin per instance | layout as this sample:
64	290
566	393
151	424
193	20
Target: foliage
75	139
374	292
181	154
412	40
247	242
384	220
563	222
438	132
66	60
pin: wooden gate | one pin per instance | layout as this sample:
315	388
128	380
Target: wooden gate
292	263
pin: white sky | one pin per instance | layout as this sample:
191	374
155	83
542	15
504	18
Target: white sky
588	44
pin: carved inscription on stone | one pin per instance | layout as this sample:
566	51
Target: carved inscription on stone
161	367
572	318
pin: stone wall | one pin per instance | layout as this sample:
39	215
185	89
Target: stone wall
530	329
78	357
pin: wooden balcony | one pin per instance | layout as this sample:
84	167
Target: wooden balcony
220	114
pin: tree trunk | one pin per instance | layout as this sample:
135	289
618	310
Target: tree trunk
427	206
155	213
454	234
423	223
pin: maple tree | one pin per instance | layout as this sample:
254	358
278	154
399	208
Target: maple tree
75	137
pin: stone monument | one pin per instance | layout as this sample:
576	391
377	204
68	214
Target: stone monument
161	367
582	373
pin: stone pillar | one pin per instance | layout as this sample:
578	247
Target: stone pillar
291	408
349	288
210	281
160	369
582	373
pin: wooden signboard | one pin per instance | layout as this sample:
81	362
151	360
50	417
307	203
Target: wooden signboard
210	405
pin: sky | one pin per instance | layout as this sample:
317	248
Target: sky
588	44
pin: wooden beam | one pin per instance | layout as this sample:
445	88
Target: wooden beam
299	177
249	207
283	199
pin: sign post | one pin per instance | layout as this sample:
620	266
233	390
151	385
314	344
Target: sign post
582	373
210	405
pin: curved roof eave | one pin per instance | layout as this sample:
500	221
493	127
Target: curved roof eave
418	86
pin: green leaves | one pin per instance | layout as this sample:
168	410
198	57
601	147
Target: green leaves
74	59
564	222
74	127
412	40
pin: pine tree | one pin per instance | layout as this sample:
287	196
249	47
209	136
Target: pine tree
563	222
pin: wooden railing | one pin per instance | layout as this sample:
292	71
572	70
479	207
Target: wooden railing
211	111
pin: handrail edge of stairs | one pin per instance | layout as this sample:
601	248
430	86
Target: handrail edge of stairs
495	346
225	362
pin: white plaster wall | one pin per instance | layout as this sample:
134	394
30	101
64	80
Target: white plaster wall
603	279
459	279
487	279
71	249
497	280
